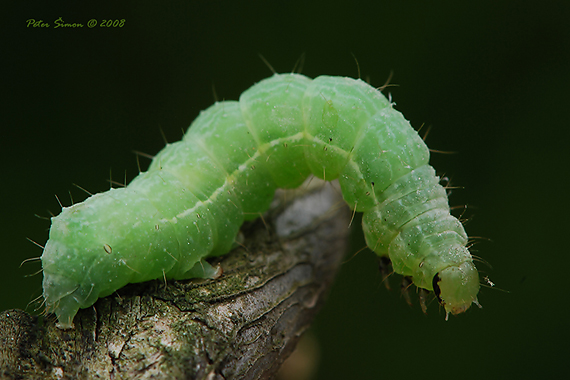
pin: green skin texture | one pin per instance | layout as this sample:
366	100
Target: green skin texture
197	192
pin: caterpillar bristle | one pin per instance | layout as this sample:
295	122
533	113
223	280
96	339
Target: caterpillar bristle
170	254
354	255
139	153
267	63
480	238
264	222
482	260
119	184
387	82
35	243
443	151
353	215
357	64
239	241
83	189
163	135
127	265
299	64
35	273
30	260
138	164
37	299
454	187
424	137
41	217
463	207
58	201
466	221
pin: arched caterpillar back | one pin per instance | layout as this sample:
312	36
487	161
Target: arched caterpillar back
194	197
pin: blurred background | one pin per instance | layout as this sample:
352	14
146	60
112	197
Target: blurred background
489	77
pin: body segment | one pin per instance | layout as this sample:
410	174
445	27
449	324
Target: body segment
197	192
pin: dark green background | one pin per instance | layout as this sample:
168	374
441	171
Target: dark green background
491	77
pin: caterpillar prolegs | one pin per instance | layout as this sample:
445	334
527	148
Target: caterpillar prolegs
197	192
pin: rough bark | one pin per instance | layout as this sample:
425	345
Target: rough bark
240	326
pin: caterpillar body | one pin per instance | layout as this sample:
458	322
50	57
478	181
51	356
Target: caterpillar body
197	192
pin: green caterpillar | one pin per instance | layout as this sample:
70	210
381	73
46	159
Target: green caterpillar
191	202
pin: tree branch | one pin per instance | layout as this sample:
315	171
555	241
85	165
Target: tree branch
240	326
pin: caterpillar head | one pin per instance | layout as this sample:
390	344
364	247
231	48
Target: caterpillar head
456	287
